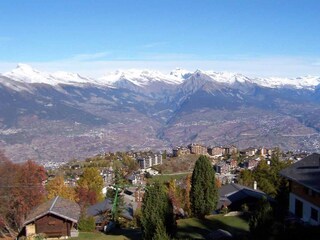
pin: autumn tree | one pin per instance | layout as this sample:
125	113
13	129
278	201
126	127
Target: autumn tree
157	217
21	188
57	187
89	187
203	194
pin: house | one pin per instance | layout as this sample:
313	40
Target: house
233	196
304	198
101	212
56	218
250	152
250	164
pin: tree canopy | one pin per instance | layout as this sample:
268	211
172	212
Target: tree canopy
21	189
203	194
89	187
157	217
56	187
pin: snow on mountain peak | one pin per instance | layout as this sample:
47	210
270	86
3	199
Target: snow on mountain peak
139	77
144	78
26	74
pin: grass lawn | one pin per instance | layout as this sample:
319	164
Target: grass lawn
190	228
117	234
167	178
194	228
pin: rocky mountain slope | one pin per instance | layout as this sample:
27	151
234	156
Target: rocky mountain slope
60	116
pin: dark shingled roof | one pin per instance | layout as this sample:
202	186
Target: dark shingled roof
305	172
57	206
235	192
106	205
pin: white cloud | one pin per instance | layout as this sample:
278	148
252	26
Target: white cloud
89	57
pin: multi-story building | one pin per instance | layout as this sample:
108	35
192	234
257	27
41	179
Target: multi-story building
149	161
215	151
179	151
304	198
197	149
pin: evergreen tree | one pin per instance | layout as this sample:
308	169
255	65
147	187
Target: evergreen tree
261	220
203	195
111	193
157	212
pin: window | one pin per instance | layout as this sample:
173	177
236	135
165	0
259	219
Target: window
314	214
298	208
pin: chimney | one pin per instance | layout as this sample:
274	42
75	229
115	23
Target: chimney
255	185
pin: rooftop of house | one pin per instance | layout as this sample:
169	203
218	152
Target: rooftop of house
106	205
57	206
305	172
234	192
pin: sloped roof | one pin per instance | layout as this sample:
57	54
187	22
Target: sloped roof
235	192
57	206
305	172
106	205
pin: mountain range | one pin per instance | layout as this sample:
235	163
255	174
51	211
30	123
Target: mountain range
55	117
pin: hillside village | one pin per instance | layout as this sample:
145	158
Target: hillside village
129	173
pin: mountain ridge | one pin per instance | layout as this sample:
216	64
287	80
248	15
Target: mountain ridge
57	118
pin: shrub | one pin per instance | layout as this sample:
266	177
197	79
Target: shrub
86	224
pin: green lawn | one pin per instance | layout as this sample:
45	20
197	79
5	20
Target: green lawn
198	229
190	228
167	178
117	234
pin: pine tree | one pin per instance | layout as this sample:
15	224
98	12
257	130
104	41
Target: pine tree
261	220
203	195
157	211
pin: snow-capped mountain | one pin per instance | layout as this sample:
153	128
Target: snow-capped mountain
65	115
26	74
147	80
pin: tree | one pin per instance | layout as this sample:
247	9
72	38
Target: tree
156	212
261	220
187	205
21	189
56	187
203	195
89	187
111	193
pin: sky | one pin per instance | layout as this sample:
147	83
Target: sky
257	37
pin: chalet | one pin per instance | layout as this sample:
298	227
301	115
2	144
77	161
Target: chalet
304	198
233	196
197	149
55	218
101	212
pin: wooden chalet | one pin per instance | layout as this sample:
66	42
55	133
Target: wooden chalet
56	218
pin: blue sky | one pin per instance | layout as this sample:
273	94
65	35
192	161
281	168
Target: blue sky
249	36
